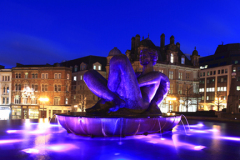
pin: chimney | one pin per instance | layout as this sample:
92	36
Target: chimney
172	40
162	37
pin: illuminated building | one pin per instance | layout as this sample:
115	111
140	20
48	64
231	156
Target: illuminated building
181	70
82	98
32	82
220	78
5	93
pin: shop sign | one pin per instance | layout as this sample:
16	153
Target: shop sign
24	106
16	106
32	107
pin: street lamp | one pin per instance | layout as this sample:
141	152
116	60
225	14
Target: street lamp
43	100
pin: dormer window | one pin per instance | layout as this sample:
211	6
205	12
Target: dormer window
99	68
183	60
94	67
171	58
75	68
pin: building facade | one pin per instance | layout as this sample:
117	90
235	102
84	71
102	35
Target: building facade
5	93
220	79
181	70
32	82
82	98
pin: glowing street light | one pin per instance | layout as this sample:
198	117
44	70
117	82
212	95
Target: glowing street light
43	100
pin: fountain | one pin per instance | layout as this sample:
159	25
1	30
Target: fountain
128	103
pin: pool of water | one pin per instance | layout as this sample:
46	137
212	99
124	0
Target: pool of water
202	140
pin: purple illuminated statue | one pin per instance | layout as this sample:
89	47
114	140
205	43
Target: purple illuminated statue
124	92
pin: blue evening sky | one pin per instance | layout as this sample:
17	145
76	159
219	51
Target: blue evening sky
49	31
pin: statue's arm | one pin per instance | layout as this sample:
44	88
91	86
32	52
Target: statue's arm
149	78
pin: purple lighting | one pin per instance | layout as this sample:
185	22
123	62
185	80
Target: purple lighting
231	138
10	141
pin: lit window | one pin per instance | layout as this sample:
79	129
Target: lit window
182	60
207	97
172	58
170	74
94	67
180	75
80	77
67	76
238	88
75	78
26	75
99	68
66	102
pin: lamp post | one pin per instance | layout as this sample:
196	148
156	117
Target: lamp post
43	100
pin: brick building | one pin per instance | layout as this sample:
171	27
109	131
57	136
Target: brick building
82	97
32	82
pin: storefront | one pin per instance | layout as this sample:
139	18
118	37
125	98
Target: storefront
4	112
25	112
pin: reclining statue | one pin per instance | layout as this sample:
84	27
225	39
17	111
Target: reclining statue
124	92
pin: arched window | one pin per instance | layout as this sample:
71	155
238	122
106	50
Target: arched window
183	60
171	58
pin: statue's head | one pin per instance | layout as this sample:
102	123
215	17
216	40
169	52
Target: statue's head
147	56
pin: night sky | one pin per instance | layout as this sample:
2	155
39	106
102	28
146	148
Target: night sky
40	32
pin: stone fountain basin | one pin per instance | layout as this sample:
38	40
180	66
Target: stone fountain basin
93	125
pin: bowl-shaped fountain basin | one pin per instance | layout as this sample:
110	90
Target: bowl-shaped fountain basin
95	125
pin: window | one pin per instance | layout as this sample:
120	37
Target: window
99	68
66	101
44	75
75	69
234	69
7	100
3	100
238	88
219	71
170	74
222	71
17	99
207	80
226	70
35	87
44	87
7	89
182	60
214	72
207	97
187	76
161	70
26	75
238	78
18	75
180	89
203	73
94	67
57	76
68	76
74	78
180	75
171	89
80	77
208	73
18	87
202	98
172	58
59	87
201	89
56	100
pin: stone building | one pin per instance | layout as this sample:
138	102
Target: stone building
220	79
5	93
82	98
182	71
32	82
